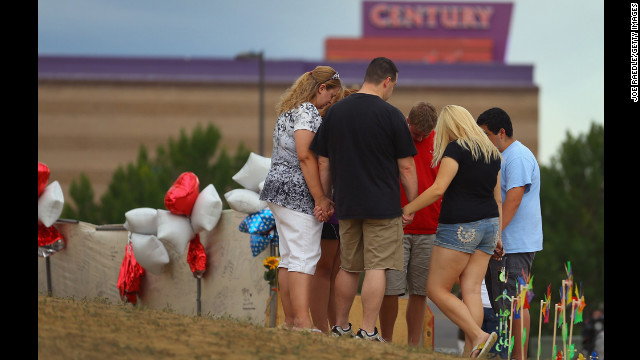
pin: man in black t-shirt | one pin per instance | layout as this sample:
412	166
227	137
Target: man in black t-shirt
364	147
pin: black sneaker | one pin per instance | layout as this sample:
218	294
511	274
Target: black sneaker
361	334
338	331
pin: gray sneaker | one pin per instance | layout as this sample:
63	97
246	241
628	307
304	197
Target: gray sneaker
338	331
361	334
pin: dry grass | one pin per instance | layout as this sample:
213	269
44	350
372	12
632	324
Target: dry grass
95	329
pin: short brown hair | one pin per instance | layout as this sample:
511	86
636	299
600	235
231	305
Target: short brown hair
379	69
423	116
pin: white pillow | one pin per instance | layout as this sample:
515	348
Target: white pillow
141	221
50	204
206	210
149	252
261	186
245	201
253	172
175	230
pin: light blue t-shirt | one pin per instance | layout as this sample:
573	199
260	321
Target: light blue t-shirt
520	168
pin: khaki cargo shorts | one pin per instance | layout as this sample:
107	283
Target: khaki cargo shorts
371	244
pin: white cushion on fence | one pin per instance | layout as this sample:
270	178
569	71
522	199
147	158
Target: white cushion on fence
149	252
175	230
50	204
141	221
207	210
245	201
253	172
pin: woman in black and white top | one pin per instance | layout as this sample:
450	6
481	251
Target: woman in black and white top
292	189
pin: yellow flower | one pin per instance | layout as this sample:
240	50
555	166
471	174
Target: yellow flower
271	262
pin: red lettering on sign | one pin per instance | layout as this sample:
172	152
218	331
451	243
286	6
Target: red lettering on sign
413	17
395	17
484	16
430	16
449	17
378	15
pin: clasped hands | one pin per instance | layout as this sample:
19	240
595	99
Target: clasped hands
323	214
407	218
324	210
498	252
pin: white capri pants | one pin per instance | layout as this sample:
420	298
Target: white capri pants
299	239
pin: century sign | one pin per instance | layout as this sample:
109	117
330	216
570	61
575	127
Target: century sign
439	20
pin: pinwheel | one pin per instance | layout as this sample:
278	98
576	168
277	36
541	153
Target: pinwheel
544	311
577	303
580	304
547	302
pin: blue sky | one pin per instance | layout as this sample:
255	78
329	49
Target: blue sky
563	39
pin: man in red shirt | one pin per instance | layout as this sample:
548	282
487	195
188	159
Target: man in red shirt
419	236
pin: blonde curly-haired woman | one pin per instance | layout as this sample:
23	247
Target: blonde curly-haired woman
292	189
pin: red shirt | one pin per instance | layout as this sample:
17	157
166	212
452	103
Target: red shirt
425	220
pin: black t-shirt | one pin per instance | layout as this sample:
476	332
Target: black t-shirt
469	197
364	136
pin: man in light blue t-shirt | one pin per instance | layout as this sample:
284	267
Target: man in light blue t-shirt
521	219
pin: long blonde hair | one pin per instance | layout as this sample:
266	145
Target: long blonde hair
305	88
455	123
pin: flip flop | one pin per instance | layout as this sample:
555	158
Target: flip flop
486	346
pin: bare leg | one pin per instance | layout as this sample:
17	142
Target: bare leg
416	308
471	296
388	315
517	351
331	311
372	293
446	267
299	294
287	308
321	284
346	287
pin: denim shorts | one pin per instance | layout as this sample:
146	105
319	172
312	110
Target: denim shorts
468	237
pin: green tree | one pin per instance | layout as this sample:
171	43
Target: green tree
82	194
572	201
145	182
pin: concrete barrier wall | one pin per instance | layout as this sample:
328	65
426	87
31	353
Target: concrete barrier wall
232	285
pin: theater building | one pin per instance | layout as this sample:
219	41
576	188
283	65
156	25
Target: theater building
94	113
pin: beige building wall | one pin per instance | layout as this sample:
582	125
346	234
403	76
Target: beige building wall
94	127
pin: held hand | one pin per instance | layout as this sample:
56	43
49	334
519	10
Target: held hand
332	210
324	209
317	212
498	252
407	219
